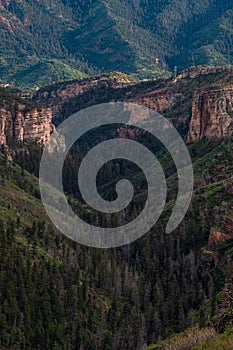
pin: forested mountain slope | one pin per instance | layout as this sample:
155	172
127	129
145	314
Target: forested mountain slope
56	294
49	40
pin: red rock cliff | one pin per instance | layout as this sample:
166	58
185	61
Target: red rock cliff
35	125
212	114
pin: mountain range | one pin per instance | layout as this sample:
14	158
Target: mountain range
50	40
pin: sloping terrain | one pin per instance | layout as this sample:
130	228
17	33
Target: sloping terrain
197	339
172	97
56	294
47	41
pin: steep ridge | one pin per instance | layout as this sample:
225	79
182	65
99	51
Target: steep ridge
57	95
198	101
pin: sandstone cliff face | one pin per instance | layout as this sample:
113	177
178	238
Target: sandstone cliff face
159	100
162	101
65	94
212	114
58	95
195	108
33	125
196	71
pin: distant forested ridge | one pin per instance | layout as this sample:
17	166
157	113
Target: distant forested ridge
51	40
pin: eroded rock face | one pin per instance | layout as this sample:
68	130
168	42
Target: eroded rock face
34	125
212	114
197	114
196	71
159	101
56	97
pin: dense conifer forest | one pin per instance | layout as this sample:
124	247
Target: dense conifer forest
47	41
163	291
57	294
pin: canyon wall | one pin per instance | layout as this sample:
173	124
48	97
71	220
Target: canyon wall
212	114
59	94
199	101
34	125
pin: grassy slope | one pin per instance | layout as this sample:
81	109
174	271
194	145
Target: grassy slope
205	339
221	342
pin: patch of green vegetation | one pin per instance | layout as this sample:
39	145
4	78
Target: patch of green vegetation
44	72
222	342
186	339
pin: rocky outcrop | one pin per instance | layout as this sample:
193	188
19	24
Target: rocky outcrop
197	114
212	114
68	96
57	95
34	125
159	100
196	71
